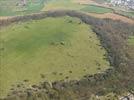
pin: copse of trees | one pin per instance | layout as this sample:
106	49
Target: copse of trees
113	36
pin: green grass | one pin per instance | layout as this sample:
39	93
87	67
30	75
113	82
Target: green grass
131	40
55	47
11	7
62	4
96	9
69	4
129	14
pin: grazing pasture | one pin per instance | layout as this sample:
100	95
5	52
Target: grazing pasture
73	5
14	7
62	4
96	9
49	49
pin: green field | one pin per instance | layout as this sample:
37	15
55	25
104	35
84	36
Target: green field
96	9
12	7
129	14
69	4
54	48
131	40
62	4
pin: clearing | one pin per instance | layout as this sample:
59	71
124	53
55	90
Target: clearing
49	49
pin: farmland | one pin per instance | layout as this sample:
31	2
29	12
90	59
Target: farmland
127	14
96	9
69	4
62	4
66	50
12	7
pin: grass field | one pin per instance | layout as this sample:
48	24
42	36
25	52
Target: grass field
129	14
131	40
12	7
69	4
62	4
96	9
54	48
